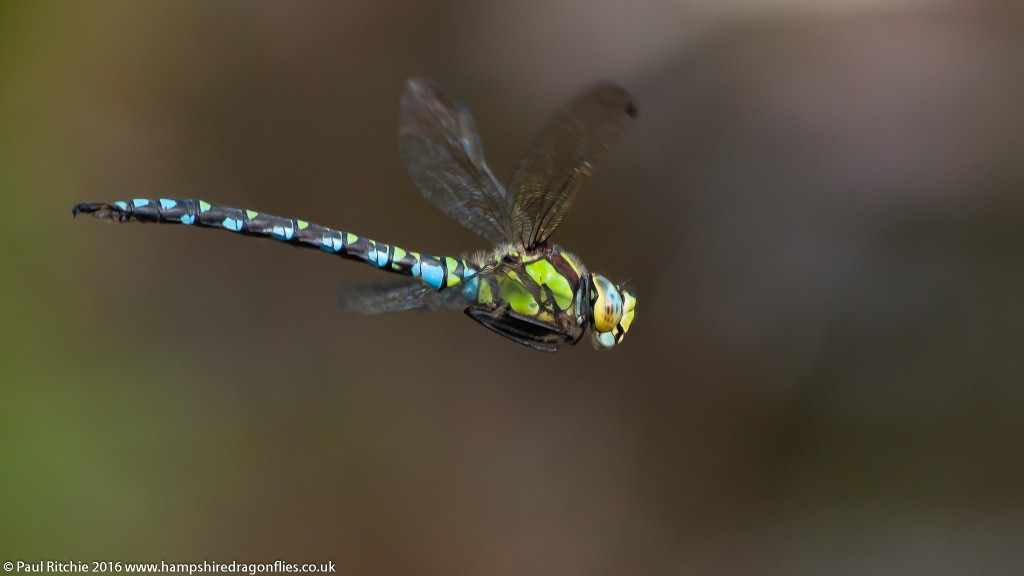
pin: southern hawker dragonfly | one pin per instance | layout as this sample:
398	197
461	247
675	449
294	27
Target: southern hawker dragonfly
525	288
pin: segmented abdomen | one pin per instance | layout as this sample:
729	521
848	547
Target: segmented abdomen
438	272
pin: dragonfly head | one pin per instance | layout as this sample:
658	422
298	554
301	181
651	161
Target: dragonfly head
611	311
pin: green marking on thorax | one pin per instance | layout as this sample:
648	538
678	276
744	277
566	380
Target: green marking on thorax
511	290
572	264
544	273
484	296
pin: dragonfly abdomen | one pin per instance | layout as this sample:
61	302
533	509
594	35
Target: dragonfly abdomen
437	272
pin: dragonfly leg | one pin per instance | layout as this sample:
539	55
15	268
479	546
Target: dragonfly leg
518	328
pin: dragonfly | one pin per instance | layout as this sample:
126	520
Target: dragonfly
524	288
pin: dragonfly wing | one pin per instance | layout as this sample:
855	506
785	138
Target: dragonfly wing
396	297
443	154
563	157
408	294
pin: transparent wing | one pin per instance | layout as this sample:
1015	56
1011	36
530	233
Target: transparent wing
442	152
407	294
397	297
563	157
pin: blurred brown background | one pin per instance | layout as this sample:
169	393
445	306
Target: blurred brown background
820	208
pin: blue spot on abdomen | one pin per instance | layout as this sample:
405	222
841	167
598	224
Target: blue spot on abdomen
331	244
232	224
433	273
282	233
377	255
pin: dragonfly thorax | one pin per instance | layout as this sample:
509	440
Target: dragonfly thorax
545	282
552	286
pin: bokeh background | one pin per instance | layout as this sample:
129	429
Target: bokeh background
820	208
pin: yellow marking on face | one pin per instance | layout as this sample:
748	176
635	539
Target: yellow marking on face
251	214
628	310
627	319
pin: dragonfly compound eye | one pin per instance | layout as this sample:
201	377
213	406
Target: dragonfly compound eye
607	339
606	304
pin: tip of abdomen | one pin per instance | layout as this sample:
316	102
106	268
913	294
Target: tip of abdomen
99	210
